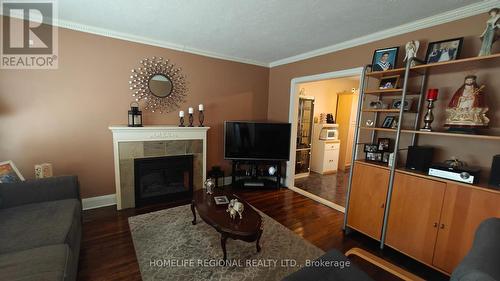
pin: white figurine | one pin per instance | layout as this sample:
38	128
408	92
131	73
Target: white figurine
234	208
411	50
489	35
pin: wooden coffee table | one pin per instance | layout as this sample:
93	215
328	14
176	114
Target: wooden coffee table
248	229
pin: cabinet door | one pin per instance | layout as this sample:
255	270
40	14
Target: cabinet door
464	208
367	199
414	216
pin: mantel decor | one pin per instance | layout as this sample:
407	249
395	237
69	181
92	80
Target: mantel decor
159	84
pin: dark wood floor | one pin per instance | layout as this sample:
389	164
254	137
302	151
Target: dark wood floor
332	187
107	251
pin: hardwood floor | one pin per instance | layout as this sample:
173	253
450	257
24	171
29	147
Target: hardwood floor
331	187
107	251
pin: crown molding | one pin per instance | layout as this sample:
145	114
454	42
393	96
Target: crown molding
460	13
148	41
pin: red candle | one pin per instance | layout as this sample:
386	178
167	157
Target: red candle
432	94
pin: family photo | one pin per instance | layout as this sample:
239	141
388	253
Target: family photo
385	59
443	50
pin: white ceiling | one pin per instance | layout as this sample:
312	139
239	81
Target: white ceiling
255	31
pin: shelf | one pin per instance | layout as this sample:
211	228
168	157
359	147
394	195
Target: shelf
380	110
383	91
379	129
456	135
434	133
482	186
431	65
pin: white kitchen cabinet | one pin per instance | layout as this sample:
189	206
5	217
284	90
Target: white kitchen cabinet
325	156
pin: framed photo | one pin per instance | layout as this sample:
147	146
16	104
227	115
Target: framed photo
445	50
389	82
374	156
221	200
395	123
388	122
396	104
371	148
9	173
385	59
383	144
386	156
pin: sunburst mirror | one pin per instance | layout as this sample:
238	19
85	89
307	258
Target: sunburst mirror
159	84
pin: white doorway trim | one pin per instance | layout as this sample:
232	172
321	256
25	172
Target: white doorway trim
293	111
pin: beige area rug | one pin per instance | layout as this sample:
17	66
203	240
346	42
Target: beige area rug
169	247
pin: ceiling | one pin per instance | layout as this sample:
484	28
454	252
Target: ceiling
256	31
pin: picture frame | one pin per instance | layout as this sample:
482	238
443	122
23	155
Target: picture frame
221	200
389	82
385	59
383	144
388	120
371	148
445	50
374	156
395	122
386	156
9	173
408	104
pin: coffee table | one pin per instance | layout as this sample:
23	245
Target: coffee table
248	229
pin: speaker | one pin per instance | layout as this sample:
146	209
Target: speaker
495	172
419	158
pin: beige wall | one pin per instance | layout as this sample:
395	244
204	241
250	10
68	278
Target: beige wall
447	80
325	93
62	116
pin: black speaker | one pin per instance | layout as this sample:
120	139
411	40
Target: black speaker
419	158
495	172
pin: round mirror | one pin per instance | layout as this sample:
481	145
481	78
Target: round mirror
160	86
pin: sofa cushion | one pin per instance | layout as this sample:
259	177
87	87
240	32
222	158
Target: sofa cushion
38	264
41	224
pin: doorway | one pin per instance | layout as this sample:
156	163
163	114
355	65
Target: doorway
334	95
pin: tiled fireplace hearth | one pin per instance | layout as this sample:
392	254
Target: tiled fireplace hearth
133	145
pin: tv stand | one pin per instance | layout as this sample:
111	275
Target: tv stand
255	173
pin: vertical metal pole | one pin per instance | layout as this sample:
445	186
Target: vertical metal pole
356	138
396	148
421	99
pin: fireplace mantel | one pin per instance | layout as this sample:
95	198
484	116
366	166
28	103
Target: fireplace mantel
154	137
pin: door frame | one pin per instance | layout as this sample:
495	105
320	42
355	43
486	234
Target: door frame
292	116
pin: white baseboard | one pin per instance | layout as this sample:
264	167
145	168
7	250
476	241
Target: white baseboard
99	201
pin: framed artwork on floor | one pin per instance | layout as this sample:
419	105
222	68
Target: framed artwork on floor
9	173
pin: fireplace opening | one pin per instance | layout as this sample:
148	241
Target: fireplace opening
163	179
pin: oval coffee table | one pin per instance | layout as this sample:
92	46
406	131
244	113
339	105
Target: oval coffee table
248	229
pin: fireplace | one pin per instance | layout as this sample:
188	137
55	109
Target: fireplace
163	179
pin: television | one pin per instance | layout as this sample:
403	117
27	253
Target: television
246	140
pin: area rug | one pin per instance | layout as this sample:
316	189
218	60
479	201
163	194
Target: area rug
169	247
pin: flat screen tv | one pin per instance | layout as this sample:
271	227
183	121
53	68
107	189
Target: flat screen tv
256	140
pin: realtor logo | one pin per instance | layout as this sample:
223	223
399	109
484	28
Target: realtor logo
29	38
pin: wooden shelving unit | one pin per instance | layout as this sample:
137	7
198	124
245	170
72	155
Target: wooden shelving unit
421	71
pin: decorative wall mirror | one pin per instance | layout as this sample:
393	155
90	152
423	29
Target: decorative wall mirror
159	84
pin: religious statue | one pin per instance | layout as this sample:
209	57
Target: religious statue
467	108
411	50
490	35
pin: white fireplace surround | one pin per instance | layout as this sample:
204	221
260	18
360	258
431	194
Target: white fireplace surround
123	133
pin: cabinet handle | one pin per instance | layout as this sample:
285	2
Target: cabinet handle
435	224
441	226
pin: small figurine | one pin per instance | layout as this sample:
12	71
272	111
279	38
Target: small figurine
467	108
235	207
411	50
489	35
210	185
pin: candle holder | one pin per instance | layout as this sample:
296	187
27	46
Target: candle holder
191	119
201	118
181	122
429	117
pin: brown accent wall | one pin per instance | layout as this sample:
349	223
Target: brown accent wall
62	116
475	152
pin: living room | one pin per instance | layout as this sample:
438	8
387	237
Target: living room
158	141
